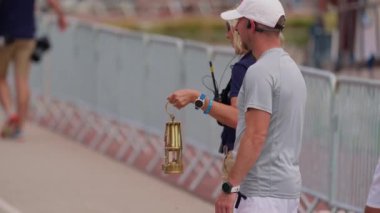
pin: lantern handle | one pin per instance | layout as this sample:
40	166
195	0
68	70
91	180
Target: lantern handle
171	115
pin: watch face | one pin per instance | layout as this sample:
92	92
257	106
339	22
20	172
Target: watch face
226	187
198	103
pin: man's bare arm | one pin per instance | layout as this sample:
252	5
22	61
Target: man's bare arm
251	144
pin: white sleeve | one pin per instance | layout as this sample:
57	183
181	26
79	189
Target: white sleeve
374	192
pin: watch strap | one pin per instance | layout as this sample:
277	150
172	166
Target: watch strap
235	189
201	98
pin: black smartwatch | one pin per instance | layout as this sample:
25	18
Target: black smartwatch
200	101
228	188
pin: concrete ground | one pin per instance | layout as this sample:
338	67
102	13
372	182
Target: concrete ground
47	173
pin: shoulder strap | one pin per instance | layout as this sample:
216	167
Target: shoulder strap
224	97
225	92
228	87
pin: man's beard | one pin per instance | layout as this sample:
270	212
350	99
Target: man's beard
245	46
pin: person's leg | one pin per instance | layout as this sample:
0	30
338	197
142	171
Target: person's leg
23	52
5	96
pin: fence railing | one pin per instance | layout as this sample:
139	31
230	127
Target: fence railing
128	75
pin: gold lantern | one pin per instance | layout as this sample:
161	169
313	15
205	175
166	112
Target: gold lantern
173	146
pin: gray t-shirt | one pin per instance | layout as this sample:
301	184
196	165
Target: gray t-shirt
275	84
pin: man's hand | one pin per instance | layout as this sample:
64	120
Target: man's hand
62	23
183	97
225	203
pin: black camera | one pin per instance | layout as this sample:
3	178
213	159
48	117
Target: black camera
42	45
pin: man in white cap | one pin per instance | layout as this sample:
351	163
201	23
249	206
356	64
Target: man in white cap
266	177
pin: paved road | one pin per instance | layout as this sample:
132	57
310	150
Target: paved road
48	173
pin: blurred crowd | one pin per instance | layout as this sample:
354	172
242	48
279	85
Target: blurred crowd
345	33
352	41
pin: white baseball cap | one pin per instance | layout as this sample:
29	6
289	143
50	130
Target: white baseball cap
266	12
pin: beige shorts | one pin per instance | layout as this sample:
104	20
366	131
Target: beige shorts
19	53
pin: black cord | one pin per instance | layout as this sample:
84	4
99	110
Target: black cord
221	77
225	69
204	83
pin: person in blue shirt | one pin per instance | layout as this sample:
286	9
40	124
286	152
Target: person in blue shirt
226	112
17	29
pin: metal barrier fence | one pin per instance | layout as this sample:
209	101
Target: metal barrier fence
356	140
126	76
316	155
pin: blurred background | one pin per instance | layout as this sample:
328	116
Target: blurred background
330	34
104	82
